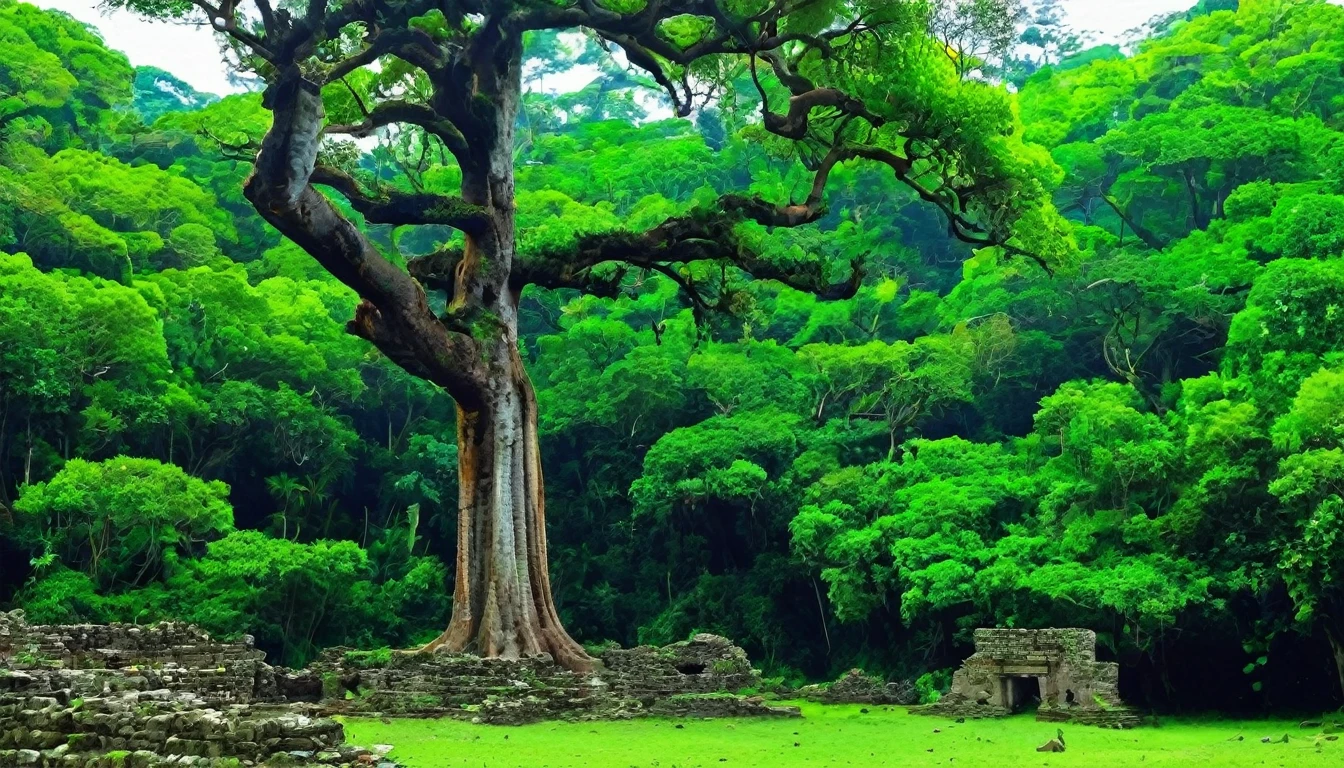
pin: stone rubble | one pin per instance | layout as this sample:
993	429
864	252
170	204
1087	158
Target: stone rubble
857	687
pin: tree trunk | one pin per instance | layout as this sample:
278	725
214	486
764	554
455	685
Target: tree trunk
1337	650
502	604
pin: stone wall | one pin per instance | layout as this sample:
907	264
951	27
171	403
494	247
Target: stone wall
1012	667
169	656
131	697
706	676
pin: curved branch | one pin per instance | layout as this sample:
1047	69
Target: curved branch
394	313
224	18
689	239
640	56
960	227
794	124
403	208
399	111
528	272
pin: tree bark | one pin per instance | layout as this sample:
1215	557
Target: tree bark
502	602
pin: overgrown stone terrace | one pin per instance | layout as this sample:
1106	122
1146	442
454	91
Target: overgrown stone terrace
1012	668
130	697
706	676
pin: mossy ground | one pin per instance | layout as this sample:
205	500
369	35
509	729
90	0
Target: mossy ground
842	736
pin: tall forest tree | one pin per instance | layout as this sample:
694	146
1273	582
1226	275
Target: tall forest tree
834	82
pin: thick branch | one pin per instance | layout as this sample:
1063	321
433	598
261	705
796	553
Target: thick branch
437	270
390	112
403	208
689	239
395	313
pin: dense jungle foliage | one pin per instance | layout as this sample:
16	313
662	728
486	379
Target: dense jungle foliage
1147	440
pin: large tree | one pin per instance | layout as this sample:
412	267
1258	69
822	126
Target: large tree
834	81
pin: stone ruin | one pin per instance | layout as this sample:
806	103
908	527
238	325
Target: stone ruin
123	696
131	697
858	687
1014	669
706	676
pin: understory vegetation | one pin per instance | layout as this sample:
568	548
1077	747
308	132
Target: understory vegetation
1145	439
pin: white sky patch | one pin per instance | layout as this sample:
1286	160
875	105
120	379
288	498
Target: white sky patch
1111	19
191	52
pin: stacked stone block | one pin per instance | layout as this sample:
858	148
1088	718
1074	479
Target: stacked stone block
130	697
1072	685
706	676
171	656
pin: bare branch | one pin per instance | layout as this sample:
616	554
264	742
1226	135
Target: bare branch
224	18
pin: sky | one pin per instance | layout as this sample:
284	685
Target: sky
191	52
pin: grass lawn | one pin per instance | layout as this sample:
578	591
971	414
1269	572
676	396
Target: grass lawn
840	736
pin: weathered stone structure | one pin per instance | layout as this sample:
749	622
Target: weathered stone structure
132	697
857	687
706	676
1055	670
123	696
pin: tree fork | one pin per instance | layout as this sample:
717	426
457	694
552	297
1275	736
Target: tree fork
502	600
503	605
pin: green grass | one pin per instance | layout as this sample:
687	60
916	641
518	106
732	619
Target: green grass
841	736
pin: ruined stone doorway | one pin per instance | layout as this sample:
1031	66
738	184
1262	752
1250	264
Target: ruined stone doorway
1024	693
1053	671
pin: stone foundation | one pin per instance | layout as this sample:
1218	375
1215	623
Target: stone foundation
1012	669
131	697
121	696
703	677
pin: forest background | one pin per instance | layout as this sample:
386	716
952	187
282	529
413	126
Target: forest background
1147	441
